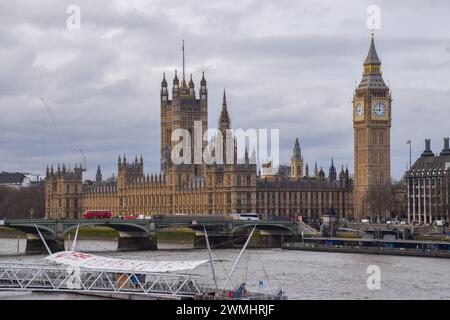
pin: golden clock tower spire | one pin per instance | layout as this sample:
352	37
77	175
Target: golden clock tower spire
371	124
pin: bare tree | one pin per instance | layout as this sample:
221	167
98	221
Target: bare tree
17	203
381	201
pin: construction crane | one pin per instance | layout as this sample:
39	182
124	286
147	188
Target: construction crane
64	136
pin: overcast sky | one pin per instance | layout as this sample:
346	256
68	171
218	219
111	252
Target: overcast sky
290	65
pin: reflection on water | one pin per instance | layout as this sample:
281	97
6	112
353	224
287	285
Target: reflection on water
303	275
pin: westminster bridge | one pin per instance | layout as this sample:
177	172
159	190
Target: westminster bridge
141	234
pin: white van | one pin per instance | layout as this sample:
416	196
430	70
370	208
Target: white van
365	220
249	216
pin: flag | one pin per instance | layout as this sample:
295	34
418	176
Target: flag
261	284
408	142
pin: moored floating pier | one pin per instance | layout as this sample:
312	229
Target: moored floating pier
415	248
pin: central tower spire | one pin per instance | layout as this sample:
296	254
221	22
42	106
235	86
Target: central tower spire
182	48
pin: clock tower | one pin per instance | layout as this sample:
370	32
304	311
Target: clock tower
371	124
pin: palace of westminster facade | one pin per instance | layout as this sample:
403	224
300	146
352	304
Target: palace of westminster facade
238	187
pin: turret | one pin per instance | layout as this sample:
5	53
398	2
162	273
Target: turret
164	91
321	174
98	176
332	172
296	154
342	174
246	158
296	161
224	119
176	85
191	86
203	90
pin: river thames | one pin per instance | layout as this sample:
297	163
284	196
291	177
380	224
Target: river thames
301	274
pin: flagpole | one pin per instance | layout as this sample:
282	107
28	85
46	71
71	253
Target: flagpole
409	142
183	58
410	153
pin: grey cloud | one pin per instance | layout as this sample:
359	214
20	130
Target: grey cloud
288	65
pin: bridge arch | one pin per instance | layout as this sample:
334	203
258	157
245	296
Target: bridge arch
119	227
47	232
263	227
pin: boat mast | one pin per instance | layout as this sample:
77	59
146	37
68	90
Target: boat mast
43	240
239	257
74	243
210	257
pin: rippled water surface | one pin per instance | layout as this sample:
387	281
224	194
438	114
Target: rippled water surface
302	274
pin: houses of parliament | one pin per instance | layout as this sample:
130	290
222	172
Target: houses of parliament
237	187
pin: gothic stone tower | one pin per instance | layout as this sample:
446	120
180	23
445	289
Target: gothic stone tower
63	191
371	123
181	113
297	161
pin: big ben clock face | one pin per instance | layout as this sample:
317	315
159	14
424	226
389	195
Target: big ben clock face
379	111
359	111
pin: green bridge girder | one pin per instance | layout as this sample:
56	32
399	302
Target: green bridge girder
52	229
141	234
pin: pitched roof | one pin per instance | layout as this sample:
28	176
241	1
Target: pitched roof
430	166
372	81
372	56
11	178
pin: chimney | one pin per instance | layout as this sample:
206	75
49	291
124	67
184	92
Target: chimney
427	152
446	150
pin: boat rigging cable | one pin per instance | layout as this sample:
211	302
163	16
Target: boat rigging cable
264	270
246	268
239	257
43	240
266	276
210	258
219	258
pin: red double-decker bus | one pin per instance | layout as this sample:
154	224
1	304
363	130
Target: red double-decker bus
97	214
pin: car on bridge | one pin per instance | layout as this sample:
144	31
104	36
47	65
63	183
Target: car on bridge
97	214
